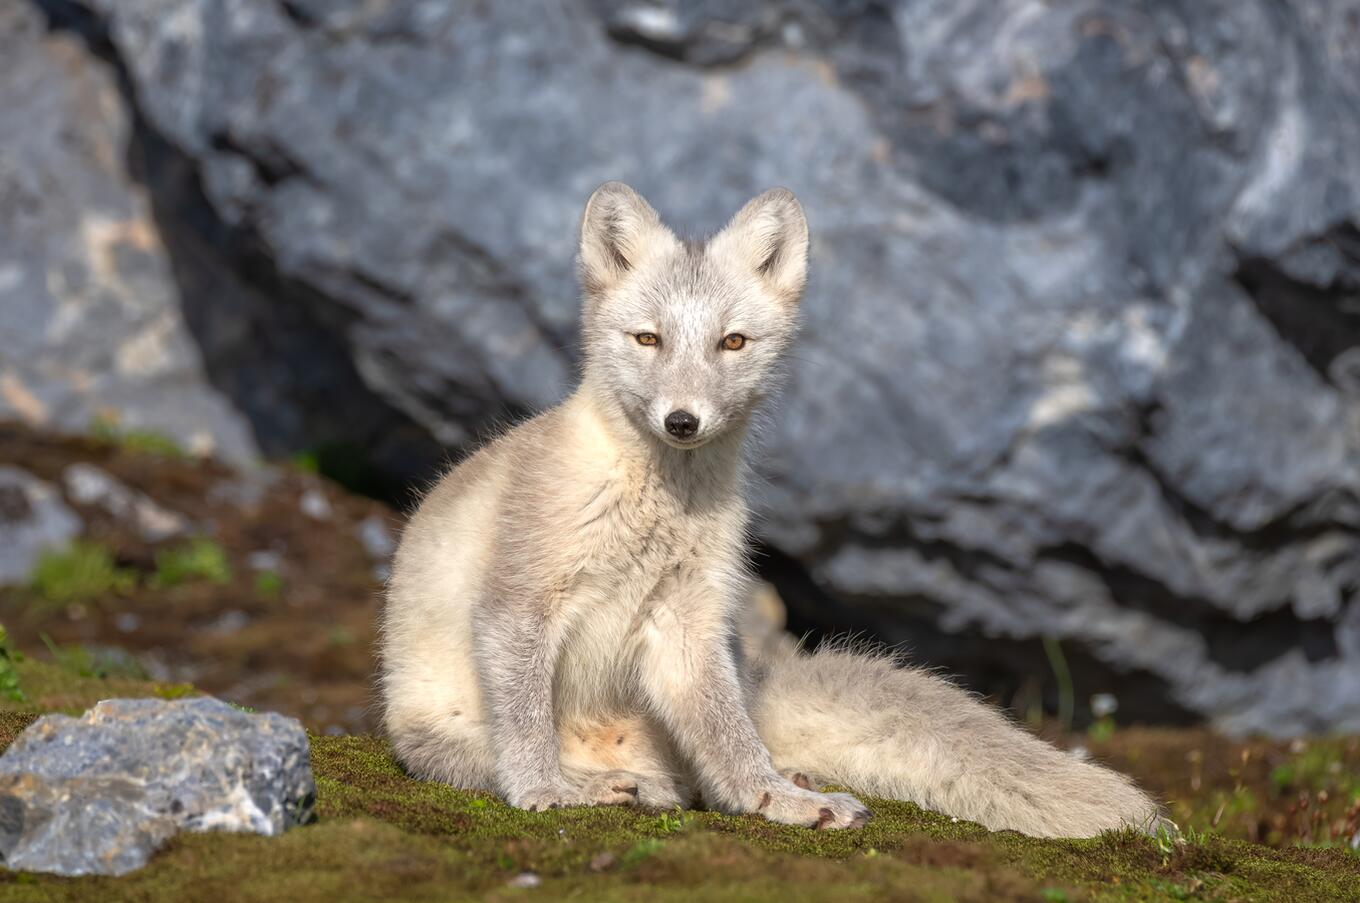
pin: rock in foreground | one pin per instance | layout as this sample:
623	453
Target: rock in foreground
100	793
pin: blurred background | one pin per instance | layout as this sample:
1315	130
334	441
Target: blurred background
1076	415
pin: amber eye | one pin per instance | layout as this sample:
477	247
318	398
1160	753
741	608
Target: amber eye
646	338
734	342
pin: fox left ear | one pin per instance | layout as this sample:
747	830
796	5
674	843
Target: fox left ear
770	236
619	230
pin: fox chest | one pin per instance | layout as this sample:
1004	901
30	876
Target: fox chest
634	552
627	529
630	550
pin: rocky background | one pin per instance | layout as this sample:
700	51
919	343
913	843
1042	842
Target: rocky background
1080	359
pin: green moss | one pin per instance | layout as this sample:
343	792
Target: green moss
136	441
173	691
357	777
10	688
82	572
268	584
199	559
100	661
50	687
381	835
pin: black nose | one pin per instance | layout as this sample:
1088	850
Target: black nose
682	424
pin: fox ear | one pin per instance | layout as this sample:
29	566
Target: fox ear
770	236
618	231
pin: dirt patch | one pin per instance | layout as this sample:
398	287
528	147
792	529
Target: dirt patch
1277	792
291	629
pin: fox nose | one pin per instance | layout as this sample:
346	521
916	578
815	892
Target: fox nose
682	424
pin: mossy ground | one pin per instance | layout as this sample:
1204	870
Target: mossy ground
1265	819
380	835
203	606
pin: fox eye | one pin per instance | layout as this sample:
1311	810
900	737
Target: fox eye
734	341
646	338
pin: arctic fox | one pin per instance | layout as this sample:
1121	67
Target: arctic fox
561	625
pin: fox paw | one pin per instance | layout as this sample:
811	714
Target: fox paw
627	788
612	788
800	778
822	811
539	799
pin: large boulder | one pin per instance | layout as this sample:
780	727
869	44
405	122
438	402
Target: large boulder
90	309
99	794
1080	355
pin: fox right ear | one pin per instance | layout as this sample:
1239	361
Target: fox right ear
769	236
618	231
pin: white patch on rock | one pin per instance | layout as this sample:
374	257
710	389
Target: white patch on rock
1065	396
376	538
33	520
90	486
99	794
315	505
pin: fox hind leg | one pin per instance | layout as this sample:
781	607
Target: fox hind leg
623	760
449	752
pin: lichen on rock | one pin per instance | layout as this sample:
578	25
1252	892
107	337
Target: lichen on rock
100	793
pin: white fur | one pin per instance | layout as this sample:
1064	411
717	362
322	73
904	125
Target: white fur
562	621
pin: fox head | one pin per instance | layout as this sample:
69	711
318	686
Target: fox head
683	336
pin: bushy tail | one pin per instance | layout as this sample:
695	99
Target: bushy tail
860	720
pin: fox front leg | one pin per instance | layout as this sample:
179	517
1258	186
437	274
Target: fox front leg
516	650
690	675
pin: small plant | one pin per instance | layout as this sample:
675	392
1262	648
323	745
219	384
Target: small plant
306	462
1063	676
1101	731
1103	707
147	442
671	822
97	662
200	559
643	849
81	572
9	677
173	691
268	584
1195	837
1166	839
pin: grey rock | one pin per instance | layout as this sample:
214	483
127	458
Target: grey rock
233	620
88	485
89	306
265	560
315	505
380	544
377	538
33	520
1078	332
100	793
